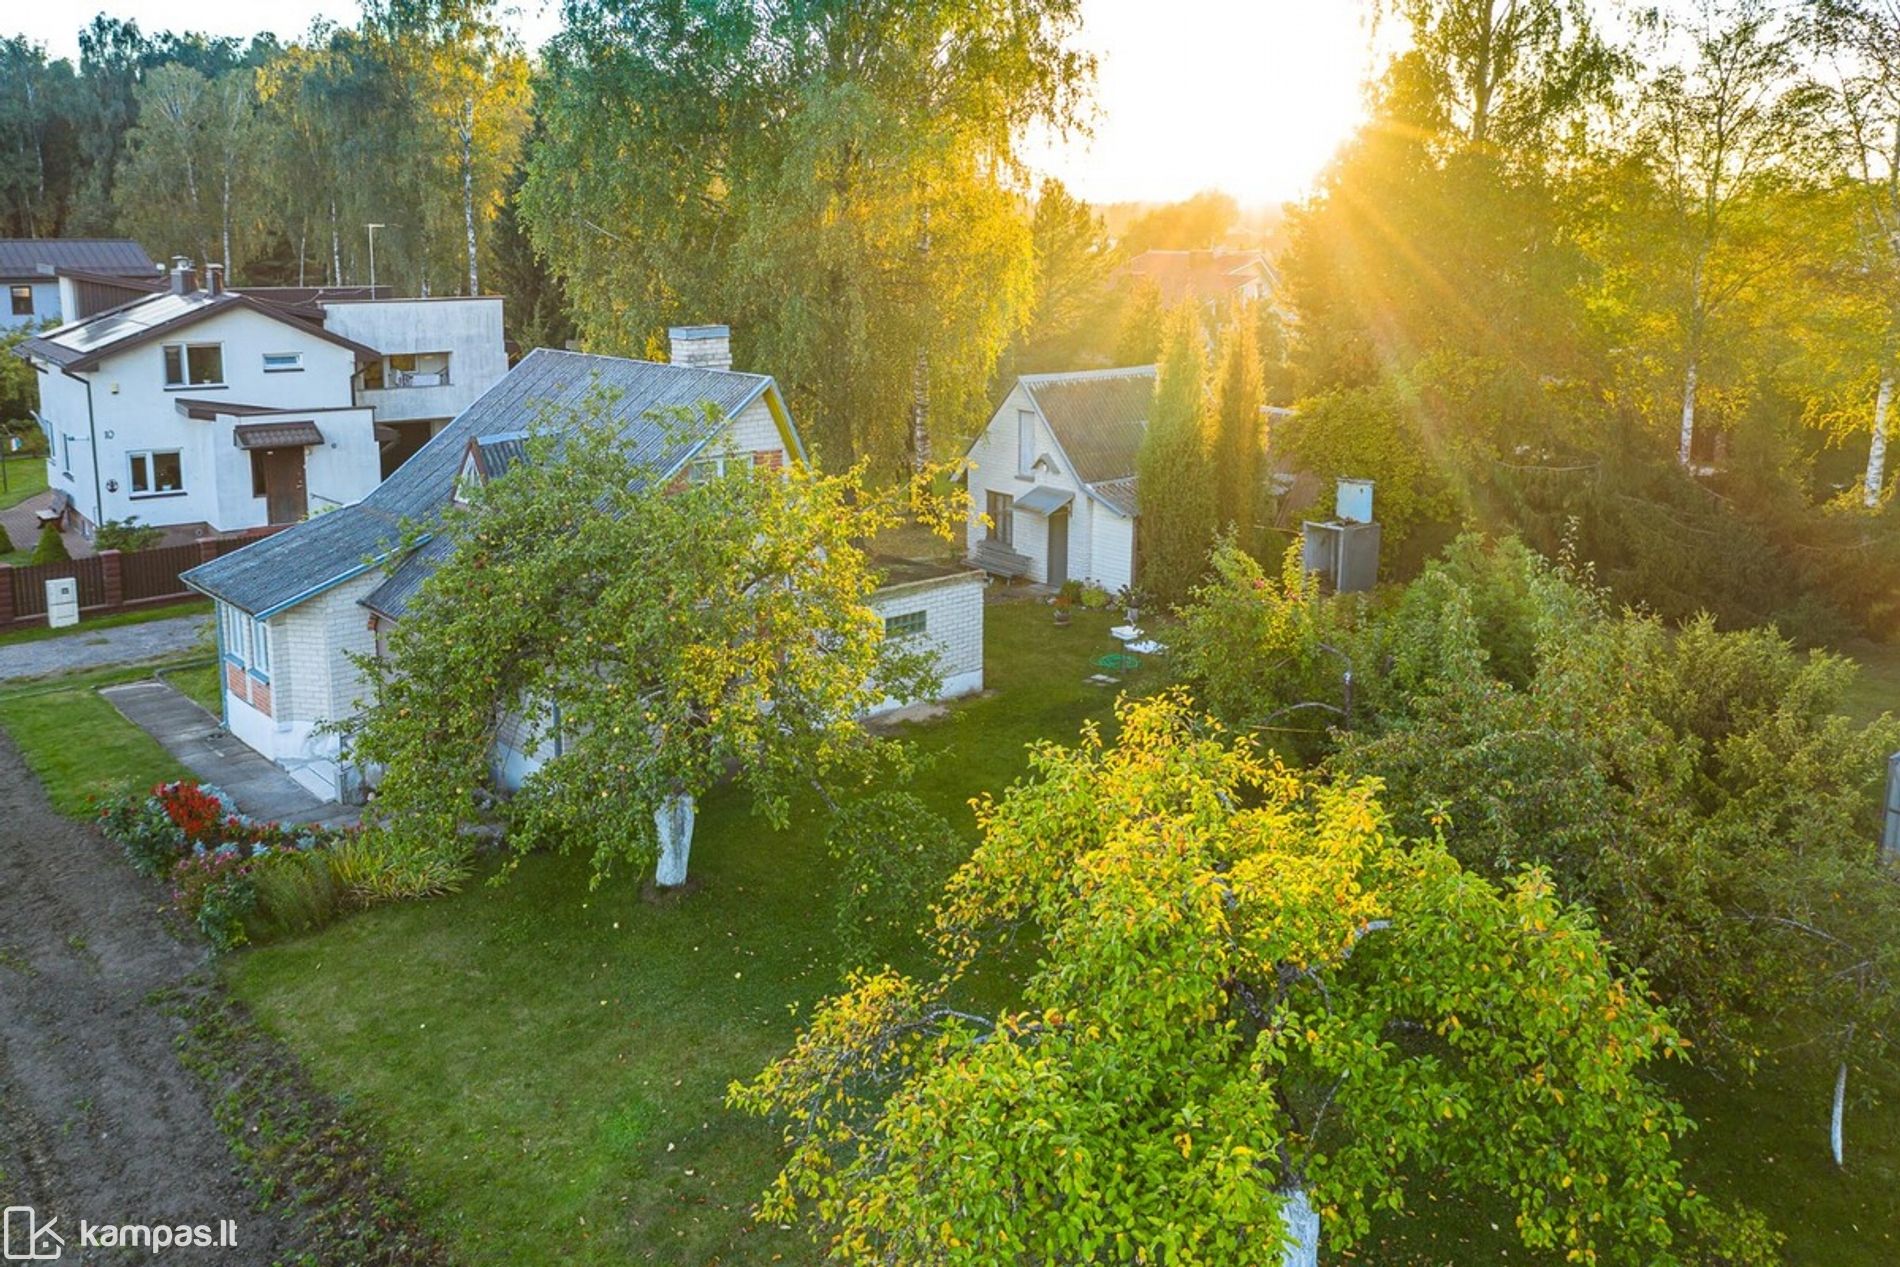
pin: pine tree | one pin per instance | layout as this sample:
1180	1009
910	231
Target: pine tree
1234	446
51	547
1143	325
1175	485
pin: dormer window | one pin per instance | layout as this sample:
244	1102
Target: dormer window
469	478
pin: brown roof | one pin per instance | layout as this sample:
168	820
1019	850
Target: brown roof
276	435
1202	276
84	344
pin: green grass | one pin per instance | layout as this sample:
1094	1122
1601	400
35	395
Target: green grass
93	624
549	1063
203	683
26	477
1877	690
77	744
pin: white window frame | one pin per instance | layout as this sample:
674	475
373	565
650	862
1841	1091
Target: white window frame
14	297
259	648
289	362
696	470
234	627
132	463
185	381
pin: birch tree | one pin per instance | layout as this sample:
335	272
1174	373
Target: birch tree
1717	139
1859	41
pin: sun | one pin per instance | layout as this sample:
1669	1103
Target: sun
1249	96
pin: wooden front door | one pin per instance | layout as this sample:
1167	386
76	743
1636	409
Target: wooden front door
285	500
1059	547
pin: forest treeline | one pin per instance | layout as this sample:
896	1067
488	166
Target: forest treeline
1638	284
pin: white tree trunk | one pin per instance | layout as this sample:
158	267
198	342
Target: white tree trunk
1877	448
336	248
468	190
1840	1108
673	821
1302	1229
1687	441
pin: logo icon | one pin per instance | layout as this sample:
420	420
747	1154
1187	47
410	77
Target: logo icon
25	1239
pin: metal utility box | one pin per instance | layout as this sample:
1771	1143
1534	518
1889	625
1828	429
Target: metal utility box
1352	501
62	602
1346	554
1890	829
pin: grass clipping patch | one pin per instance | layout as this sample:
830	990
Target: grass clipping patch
299	1147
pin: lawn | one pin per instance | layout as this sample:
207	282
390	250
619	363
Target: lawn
1877	690
25	477
202	683
78	745
549	1062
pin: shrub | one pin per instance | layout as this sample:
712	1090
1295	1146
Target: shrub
126	534
51	547
213	889
297	893
142	827
6	540
1094	597
372	868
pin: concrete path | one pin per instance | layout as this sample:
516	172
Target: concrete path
219	758
78	649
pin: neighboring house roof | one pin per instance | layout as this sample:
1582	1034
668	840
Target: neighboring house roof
84	344
301	562
22	258
1209	275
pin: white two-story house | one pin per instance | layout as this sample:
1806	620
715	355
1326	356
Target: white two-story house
297	608
203	409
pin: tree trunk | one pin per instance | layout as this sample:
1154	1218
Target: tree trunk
1687	440
225	210
920	411
468	190
673	822
1877	448
1302	1229
1840	1108
336	248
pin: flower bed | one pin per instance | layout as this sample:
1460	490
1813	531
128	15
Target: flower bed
240	880
237	879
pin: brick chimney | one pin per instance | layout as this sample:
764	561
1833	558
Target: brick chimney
700	347
184	276
214	279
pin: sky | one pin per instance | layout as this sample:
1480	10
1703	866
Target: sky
1250	96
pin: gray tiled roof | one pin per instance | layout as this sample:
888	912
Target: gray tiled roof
1098	416
34	257
298	563
1120	495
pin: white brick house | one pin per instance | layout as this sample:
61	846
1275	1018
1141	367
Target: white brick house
295	607
1052	478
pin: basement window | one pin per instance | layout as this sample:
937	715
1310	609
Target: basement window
905	624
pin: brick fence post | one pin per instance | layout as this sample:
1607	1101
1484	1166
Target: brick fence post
6	594
111	571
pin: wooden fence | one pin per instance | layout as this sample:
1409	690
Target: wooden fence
114	580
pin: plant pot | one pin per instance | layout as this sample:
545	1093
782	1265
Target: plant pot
1062	616
1133	614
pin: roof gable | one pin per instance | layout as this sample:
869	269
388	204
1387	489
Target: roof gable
1097	416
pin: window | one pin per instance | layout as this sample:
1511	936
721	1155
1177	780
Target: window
706	470
22	301
407	369
260	649
1001	508
904	624
282	362
1025	440
156	474
234	631
194	364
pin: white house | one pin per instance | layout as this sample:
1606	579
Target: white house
294	608
1052	478
205	409
31	269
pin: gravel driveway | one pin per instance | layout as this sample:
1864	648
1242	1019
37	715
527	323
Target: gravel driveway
98	1120
123	644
